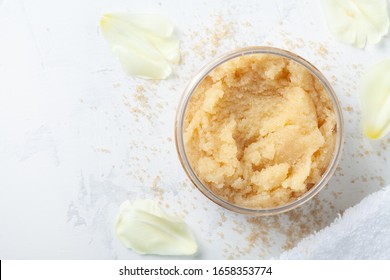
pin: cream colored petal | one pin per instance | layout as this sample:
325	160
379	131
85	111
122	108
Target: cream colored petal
145	228
168	47
143	66
357	21
153	24
137	43
375	100
119	34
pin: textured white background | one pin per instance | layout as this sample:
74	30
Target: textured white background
78	137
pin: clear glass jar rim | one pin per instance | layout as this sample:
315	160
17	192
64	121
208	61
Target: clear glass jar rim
193	84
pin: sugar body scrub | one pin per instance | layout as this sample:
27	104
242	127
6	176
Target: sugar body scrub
259	131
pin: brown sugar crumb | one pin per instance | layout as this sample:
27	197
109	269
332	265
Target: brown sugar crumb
141	98
383	145
295	224
230	257
103	150
223	32
184	184
142	101
238	228
220	31
158	191
337	195
348	109
322	51
223	218
380	180
251	240
290	43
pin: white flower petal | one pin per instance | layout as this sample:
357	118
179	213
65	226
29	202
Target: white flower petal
145	228
169	47
153	24
143	66
357	21
375	100
118	33
143	43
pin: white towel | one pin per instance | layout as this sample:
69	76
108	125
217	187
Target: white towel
362	232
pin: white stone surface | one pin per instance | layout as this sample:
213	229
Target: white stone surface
78	137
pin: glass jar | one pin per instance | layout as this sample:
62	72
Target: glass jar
188	92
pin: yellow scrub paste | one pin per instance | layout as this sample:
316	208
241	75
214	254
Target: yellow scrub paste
260	130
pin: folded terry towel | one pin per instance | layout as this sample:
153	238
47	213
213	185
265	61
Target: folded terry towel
362	232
